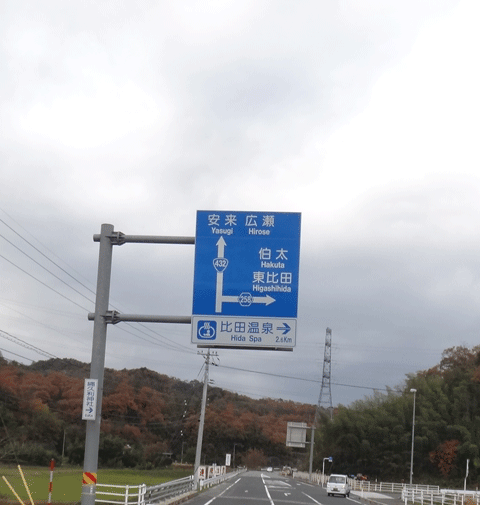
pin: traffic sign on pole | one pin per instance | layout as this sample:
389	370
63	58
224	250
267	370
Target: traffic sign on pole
246	279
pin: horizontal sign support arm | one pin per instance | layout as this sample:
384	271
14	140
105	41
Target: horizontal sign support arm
243	348
119	238
114	317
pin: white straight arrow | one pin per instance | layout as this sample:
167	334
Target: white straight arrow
221	247
219	288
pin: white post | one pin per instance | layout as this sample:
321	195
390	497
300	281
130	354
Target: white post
142	490
414	391
466	475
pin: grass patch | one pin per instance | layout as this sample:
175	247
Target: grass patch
67	482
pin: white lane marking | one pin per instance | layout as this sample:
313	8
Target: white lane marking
226	489
268	494
313	499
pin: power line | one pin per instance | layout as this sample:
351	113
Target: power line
43	283
156	341
44	268
45	256
46	248
302	378
174	345
15	354
19	341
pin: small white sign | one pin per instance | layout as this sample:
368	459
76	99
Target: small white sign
89	410
228	459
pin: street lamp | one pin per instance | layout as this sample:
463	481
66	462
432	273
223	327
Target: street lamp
330	459
234	445
414	391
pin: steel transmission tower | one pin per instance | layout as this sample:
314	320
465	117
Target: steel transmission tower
325	397
325	390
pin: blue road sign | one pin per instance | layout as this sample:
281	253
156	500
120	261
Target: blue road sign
246	277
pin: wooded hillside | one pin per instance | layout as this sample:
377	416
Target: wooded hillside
374	436
148	419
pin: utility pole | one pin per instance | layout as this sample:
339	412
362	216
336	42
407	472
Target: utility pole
198	453
63	445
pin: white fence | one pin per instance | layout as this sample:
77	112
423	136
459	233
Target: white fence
120	495
440	497
391	487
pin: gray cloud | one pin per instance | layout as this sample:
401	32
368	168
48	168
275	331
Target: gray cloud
140	115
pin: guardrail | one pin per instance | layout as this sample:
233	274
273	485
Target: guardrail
168	490
143	494
146	495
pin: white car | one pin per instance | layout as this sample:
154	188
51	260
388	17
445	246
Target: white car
338	484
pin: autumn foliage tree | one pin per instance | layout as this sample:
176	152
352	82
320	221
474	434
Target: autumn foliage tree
444	456
254	458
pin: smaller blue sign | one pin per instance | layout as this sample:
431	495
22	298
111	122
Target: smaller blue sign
206	330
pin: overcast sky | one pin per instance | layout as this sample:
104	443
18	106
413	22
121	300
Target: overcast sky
361	115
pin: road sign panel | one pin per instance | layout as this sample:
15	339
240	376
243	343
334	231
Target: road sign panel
246	266
238	331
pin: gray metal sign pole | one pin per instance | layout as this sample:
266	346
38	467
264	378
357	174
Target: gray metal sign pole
97	366
102	316
312	443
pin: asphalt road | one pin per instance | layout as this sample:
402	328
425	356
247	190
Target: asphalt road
267	488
